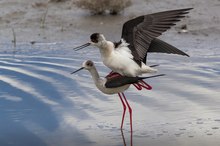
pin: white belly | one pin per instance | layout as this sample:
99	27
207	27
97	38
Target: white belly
120	60
122	65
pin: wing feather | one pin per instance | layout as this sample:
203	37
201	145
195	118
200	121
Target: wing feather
163	47
120	81
141	31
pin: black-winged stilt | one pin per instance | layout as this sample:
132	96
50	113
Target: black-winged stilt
128	56
114	83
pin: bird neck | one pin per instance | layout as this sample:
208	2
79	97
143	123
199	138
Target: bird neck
95	75
106	48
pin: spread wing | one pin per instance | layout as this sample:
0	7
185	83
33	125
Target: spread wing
141	31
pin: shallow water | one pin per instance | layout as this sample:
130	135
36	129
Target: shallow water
42	104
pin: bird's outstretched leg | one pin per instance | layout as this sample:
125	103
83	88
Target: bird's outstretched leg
124	109
142	84
145	85
129	109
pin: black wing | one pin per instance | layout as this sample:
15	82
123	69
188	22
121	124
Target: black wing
139	32
120	81
124	80
163	47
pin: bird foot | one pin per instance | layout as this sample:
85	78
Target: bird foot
142	84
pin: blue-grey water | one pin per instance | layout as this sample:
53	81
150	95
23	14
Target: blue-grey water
43	104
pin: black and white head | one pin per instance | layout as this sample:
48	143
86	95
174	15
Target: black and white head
96	39
88	65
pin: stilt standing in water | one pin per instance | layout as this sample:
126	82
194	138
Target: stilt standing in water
114	84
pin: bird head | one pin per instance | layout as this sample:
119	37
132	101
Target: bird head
88	65
96	39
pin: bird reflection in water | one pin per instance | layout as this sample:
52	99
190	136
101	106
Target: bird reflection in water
124	140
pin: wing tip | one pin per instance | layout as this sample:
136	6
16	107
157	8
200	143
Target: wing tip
189	8
187	55
183	54
184	9
181	11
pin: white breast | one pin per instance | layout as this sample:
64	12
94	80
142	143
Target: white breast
120	60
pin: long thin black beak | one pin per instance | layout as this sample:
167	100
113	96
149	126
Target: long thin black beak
82	46
77	70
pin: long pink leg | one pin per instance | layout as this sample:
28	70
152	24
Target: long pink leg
129	109
124	109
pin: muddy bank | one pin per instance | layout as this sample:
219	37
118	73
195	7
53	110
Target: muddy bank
63	21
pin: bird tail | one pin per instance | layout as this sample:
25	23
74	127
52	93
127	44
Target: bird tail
142	78
148	69
155	65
